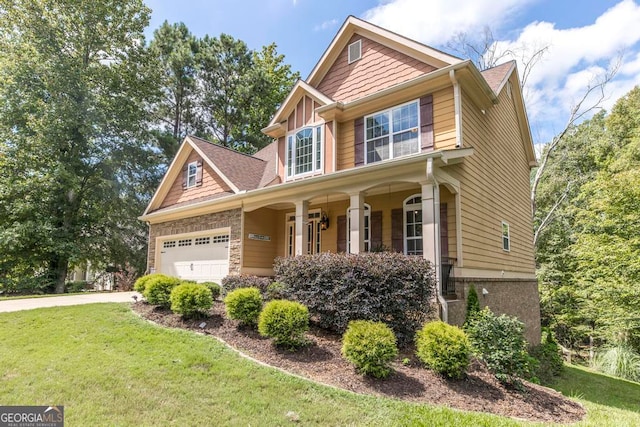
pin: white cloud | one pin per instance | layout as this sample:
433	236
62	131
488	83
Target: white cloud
326	25
434	22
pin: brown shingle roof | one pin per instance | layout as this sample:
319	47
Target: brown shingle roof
269	155
243	170
496	75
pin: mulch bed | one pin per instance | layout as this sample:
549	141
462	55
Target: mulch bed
321	361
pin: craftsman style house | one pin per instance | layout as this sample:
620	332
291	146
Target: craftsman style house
388	145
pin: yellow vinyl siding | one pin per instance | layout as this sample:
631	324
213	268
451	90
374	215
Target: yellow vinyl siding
258	253
444	120
345	146
495	188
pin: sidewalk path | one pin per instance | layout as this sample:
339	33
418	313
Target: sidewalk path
89	298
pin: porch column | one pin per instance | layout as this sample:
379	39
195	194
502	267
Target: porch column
431	227
356	223
302	221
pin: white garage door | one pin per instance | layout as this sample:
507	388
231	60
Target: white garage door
203	258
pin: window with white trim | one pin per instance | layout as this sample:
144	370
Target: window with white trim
413	225
169	244
192	173
314	235
304	151
367	228
392	133
506	237
184	242
202	241
223	238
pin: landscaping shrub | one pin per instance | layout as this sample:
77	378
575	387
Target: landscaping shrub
499	341
285	322
548	356
276	290
473	305
244	304
214	288
157	290
620	361
190	299
443	348
77	286
339	288
230	283
141	283
370	346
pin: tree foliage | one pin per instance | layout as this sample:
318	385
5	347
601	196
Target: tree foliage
72	128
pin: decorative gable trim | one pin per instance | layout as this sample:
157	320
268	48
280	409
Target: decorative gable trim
299	89
353	25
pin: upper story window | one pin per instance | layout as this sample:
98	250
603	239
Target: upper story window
304	151
192	172
392	133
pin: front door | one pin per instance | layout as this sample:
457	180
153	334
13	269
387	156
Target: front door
313	233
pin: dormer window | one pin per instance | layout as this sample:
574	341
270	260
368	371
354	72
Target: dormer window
355	51
304	151
392	133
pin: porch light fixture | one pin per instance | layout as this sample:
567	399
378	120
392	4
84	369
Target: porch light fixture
324	221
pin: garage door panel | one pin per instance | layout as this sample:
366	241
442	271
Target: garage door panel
203	258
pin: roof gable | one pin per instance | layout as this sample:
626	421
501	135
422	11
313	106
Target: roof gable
387	38
300	89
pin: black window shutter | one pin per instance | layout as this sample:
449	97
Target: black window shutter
444	231
397	234
426	122
199	173
358	137
185	172
376	230
342	233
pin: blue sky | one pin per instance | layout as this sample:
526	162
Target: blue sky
584	37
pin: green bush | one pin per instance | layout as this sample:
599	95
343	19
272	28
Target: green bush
77	286
443	348
275	290
499	341
141	283
620	361
285	322
383	287
190	299
370	346
157	290
231	283
549	358
244	304
473	304
214	288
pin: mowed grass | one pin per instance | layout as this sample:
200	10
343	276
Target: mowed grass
109	367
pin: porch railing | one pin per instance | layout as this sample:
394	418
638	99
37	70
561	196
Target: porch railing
448	284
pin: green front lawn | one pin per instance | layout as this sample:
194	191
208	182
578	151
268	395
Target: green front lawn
109	367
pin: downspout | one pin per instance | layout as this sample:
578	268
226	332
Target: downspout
431	179
457	107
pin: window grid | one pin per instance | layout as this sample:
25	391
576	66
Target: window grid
400	125
184	242
192	171
202	241
169	244
304	151
413	226
221	239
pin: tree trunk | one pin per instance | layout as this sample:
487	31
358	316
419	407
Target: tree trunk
58	272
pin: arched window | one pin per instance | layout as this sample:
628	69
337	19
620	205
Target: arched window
367	228
413	225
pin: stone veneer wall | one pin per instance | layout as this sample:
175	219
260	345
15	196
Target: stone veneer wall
231	218
515	297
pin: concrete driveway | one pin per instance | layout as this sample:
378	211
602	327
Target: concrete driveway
88	298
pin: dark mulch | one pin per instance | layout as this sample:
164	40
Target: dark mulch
321	361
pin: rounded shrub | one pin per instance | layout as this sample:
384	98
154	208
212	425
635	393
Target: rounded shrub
157	290
141	283
244	304
214	288
190	299
370	347
285	322
443	348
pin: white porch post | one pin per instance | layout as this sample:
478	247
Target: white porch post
431	230
302	220
356	223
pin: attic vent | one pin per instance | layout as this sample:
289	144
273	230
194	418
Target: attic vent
355	51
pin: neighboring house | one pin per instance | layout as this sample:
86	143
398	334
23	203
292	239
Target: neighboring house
388	144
